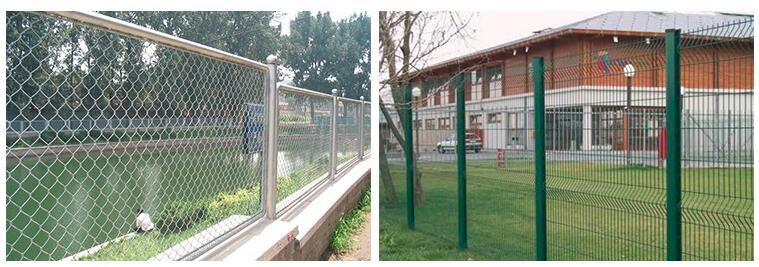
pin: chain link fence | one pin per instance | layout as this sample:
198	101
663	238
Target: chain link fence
578	170
110	123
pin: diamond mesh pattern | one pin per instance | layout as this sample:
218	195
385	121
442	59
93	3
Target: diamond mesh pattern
101	125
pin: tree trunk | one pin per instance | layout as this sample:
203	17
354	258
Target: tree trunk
388	187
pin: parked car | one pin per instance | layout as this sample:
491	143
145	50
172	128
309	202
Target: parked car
473	142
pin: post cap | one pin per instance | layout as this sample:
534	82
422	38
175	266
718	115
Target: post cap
362	98
334	91
271	59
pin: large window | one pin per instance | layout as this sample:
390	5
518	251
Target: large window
476	85
444	123
475	121
494	80
444	96
429	124
494	118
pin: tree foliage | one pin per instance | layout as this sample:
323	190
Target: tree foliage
325	54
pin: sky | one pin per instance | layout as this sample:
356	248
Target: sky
495	28
290	15
490	29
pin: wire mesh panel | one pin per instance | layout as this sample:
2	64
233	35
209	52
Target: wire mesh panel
103	126
435	181
348	130
500	161
305	122
605	184
392	170
717	137
367	120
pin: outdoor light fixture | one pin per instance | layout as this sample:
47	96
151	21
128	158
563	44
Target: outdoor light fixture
629	70
648	40
416	92
616	39
515	52
271	59
334	91
526	49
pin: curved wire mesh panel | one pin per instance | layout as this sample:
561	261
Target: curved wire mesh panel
101	125
717	138
605	185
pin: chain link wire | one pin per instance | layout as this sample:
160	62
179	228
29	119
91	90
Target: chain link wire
305	123
102	125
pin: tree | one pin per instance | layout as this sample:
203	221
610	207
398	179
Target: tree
324	54
407	40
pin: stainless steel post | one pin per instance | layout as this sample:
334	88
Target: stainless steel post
271	109
361	130
333	142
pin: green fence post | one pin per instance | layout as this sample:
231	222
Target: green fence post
407	131
461	158
541	240
674	230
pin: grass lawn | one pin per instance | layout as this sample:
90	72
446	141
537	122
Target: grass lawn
595	211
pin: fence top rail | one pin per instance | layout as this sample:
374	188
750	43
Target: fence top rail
344	99
129	29
298	90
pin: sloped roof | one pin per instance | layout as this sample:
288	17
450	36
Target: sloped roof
618	22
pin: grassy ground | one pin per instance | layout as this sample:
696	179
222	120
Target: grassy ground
342	240
595	211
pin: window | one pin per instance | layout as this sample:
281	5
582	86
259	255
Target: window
476	85
444	123
475	121
494	118
444	96
417	124
494	80
429	124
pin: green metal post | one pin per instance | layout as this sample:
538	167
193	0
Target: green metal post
461	158
407	131
674	230
541	240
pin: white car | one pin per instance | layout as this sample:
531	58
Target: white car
473	142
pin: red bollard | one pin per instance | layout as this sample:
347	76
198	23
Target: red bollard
662	146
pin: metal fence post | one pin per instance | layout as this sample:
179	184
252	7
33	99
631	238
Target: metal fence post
541	240
333	140
409	136
271	109
361	129
674	231
461	158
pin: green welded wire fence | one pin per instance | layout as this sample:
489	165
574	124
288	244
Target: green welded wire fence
610	193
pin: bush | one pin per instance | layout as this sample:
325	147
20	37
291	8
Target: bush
12	141
95	135
65	137
181	215
80	136
227	204
48	136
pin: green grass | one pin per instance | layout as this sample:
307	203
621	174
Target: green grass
74	204
350	223
595	211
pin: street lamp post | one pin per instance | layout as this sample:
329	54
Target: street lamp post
629	71
416	92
